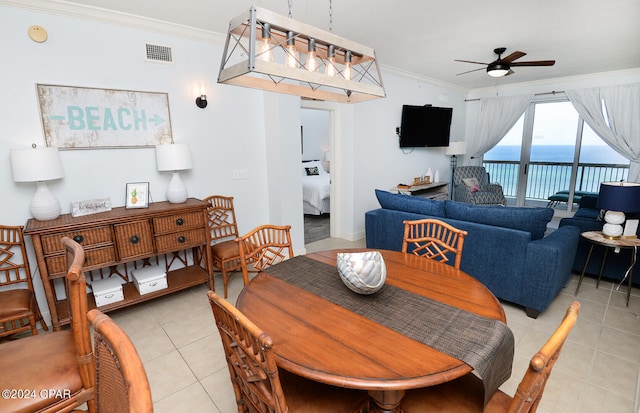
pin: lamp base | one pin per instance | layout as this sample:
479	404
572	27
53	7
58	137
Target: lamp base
44	205
176	191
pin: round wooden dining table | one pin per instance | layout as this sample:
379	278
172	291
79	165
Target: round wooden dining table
319	340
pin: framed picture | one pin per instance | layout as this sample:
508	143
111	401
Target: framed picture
92	118
137	195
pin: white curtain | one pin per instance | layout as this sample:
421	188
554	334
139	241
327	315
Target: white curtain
617	123
495	118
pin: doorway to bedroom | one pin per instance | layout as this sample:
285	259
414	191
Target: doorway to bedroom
315	136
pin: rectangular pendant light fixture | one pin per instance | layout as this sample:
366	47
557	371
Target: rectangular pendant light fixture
267	51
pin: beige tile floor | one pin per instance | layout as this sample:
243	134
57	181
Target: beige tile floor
597	371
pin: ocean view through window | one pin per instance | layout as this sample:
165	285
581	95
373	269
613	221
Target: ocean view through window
556	152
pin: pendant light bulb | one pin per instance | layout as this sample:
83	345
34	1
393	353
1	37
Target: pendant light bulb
264	47
312	60
291	53
331	64
346	72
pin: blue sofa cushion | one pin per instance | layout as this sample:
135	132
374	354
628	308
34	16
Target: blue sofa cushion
407	203
532	220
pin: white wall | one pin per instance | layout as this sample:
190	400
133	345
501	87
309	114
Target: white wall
231	133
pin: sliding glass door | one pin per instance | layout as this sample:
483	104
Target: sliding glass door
551	151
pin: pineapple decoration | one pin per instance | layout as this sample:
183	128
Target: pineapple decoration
134	196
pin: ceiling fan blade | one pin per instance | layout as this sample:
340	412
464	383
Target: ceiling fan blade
535	63
513	56
470	61
469	71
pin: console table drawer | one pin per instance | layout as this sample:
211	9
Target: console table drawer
96	257
180	240
134	239
101	235
178	222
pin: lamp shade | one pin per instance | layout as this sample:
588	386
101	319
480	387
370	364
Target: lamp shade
173	157
36	164
456	148
619	196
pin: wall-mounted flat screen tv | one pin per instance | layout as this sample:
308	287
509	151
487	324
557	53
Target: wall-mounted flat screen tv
425	126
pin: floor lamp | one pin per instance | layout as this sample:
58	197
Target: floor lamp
454	149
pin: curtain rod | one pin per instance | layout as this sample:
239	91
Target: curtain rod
553	92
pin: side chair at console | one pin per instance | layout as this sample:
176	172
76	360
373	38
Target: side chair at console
19	309
223	227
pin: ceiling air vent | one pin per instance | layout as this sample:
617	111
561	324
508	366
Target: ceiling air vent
158	54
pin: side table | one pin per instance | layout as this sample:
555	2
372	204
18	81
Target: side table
596	238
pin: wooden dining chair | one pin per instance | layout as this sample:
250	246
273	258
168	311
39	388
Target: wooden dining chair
259	385
263	247
57	366
465	395
19	309
433	239
225	255
121	381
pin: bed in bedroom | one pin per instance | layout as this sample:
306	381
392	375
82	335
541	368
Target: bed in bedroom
315	188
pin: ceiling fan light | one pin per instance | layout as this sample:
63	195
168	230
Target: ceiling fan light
498	69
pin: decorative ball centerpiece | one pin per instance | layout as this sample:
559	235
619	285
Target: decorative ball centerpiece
362	272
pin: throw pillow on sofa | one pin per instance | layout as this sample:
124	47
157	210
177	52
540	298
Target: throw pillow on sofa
408	203
472	183
532	220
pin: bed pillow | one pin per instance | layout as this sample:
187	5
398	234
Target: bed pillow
307	165
312	171
408	203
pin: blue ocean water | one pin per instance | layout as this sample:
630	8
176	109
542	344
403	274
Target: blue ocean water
558	153
544	180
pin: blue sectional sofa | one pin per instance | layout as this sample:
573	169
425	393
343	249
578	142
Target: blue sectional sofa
506	248
587	218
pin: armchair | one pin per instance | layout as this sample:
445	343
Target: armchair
484	193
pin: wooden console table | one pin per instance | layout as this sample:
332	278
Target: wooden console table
118	241
437	190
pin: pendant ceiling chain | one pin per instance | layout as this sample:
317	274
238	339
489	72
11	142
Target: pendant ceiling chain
330	15
290	6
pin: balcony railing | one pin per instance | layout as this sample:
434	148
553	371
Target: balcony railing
546	178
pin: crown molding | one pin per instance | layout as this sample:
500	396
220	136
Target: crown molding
421	78
616	77
101	15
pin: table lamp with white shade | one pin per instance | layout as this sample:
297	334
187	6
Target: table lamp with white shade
618	198
174	157
39	165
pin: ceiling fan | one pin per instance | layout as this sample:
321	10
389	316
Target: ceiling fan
502	66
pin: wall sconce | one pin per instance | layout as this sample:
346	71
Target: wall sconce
174	157
201	101
39	165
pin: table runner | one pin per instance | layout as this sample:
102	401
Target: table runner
485	344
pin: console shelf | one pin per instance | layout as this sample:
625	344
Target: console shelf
117	241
